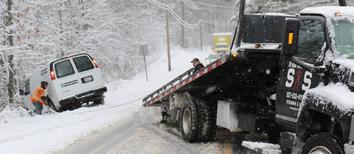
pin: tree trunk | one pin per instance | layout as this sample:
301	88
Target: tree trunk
10	57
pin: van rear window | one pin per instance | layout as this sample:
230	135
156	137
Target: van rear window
64	68
83	63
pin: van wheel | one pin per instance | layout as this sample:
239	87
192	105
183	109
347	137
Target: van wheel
322	143
51	105
99	101
188	122
73	106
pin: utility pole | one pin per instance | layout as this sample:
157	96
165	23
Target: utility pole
168	43
240	18
182	26
144	50
201	36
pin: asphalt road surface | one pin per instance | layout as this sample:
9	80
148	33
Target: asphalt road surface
142	134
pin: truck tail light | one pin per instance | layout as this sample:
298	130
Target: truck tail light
52	75
95	63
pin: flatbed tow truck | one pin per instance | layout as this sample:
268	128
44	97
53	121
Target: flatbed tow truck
288	76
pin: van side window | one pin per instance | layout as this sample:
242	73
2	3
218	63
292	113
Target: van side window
311	39
64	68
83	63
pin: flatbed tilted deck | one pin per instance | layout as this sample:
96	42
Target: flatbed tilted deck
180	82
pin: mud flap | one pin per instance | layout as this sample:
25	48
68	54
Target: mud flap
287	142
227	116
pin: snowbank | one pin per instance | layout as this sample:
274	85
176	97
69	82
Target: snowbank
11	113
264	148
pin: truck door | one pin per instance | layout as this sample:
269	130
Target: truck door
294	79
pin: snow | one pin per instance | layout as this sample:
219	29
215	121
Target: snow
339	94
263	148
348	63
329	11
222	34
261	45
53	132
10	113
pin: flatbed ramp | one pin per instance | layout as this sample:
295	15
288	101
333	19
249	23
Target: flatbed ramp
181	82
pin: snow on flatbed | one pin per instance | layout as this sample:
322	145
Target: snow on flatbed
54	132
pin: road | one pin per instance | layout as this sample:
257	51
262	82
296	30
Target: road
142	133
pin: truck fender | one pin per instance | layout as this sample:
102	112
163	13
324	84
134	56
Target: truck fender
318	114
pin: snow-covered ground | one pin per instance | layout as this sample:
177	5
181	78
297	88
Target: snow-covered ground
54	132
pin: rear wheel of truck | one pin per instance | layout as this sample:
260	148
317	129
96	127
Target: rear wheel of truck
322	143
188	122
206	121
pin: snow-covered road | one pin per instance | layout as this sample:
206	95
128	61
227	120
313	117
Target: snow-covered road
140	133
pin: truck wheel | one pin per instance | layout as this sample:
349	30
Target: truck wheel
322	143
206	121
188	122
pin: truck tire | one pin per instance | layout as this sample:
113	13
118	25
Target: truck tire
188	122
206	121
322	143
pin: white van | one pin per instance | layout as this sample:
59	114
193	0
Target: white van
72	81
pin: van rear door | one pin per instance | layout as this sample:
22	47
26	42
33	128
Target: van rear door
66	82
89	75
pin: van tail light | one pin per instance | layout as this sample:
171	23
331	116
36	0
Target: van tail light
52	75
95	63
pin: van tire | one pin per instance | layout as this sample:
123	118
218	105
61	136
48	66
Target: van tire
99	101
51	105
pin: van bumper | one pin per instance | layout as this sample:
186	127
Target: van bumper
85	97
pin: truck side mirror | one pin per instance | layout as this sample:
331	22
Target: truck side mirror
291	36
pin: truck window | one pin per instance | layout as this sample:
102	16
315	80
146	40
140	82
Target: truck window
344	37
262	29
83	63
64	68
311	39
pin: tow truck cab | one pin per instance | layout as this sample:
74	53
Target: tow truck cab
315	93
